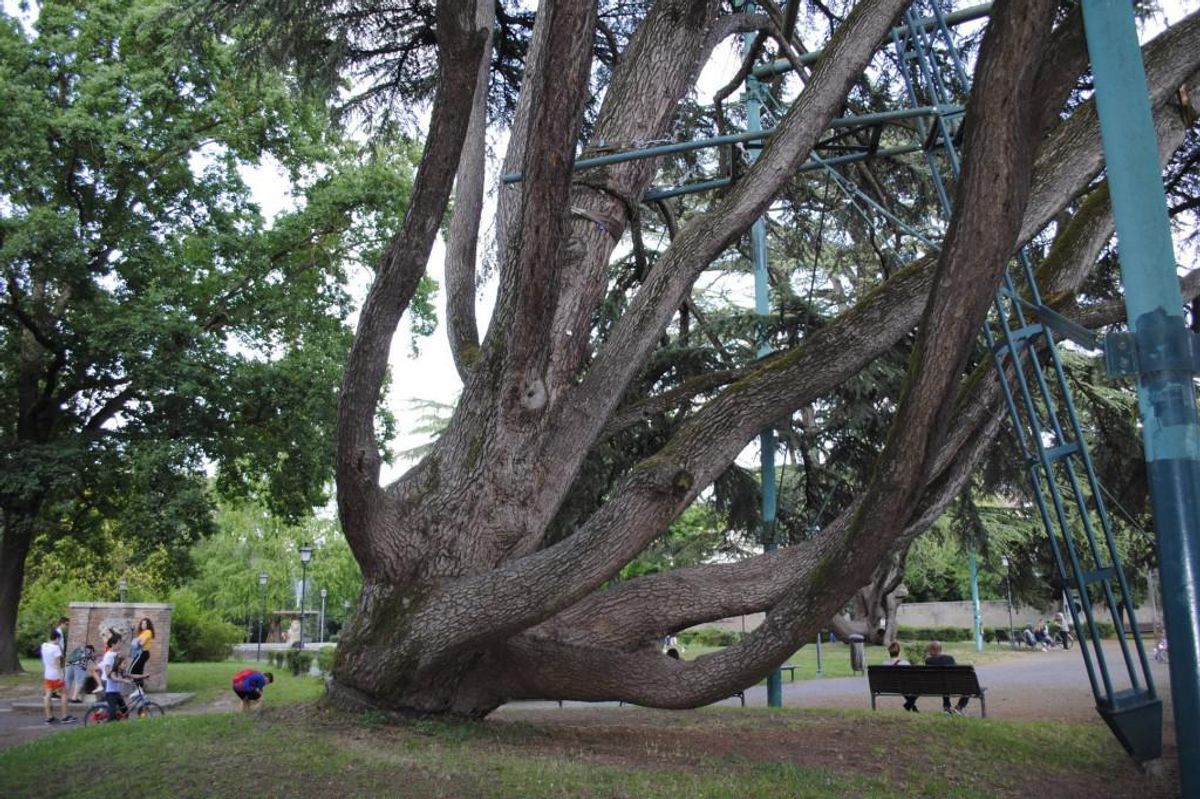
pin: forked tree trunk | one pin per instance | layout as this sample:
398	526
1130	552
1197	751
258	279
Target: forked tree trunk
466	604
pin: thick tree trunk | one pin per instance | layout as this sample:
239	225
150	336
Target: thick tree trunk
15	538
873	607
465	602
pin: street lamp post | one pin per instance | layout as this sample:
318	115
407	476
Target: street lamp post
324	593
1012	642
122	584
262	592
305	557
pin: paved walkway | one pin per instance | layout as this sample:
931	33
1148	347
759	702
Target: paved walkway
1031	685
21	720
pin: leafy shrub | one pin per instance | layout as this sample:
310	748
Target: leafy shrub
1106	628
43	602
935	633
325	658
198	635
298	661
709	636
279	659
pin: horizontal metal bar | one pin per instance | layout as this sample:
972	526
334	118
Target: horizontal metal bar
1062	451
782	65
1101	575
808	166
737	138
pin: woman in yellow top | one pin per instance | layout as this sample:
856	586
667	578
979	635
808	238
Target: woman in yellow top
140	649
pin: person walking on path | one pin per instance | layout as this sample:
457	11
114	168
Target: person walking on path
935	657
52	678
248	684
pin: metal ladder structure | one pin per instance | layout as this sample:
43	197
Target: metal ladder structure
1020	334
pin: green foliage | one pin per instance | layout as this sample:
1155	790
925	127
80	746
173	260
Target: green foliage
709	636
694	538
199	635
927	634
251	541
152	320
298	662
325	656
42	604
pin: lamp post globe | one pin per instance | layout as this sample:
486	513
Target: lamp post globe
306	554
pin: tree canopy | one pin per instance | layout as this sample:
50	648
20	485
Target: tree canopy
154	325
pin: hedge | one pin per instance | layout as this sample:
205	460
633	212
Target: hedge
709	636
934	634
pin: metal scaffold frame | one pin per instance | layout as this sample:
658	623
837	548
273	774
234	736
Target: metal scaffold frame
1045	424
1020	337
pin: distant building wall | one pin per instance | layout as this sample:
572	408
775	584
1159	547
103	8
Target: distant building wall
91	621
961	614
937	614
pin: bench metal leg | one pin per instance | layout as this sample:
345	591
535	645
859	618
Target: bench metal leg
872	701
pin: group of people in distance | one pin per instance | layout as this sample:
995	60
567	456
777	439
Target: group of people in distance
69	678
1039	637
934	656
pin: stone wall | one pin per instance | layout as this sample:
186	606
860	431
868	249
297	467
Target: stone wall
91	621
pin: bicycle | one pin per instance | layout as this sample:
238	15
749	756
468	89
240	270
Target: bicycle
137	707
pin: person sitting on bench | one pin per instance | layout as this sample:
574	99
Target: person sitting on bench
935	657
910	702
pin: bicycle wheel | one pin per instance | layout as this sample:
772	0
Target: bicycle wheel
147	710
97	714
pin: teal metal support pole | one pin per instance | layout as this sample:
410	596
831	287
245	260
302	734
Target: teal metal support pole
1171	432
978	615
762	307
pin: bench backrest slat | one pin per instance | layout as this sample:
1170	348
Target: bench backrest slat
923	680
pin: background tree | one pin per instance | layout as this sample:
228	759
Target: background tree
488	568
151	321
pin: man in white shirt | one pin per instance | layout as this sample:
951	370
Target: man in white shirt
52	677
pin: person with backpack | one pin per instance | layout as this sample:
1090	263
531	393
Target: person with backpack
80	664
248	684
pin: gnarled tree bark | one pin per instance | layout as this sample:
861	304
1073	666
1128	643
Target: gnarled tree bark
466	602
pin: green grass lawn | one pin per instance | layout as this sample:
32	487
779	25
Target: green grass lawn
207	681
312	751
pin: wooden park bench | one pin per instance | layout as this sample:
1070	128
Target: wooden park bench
925	681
